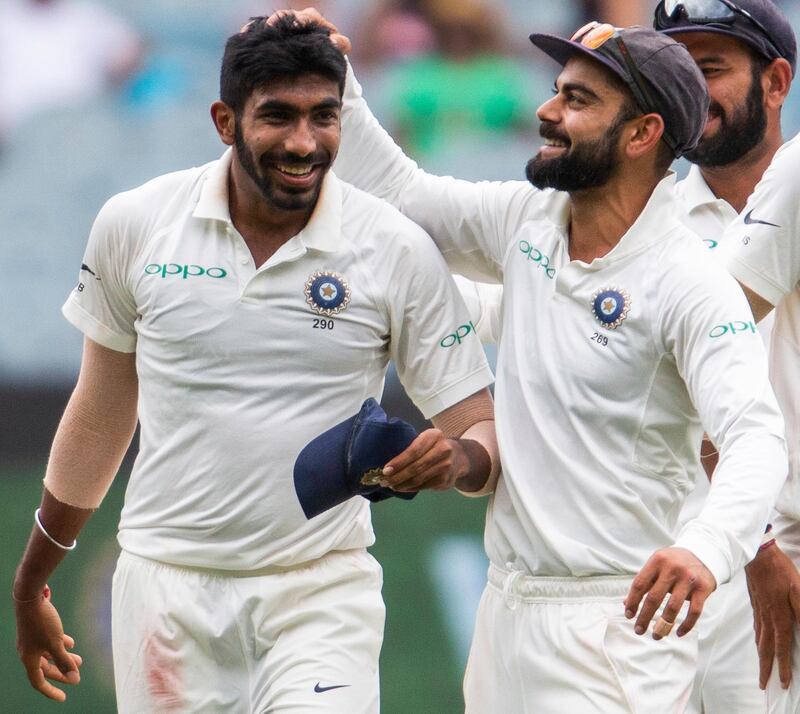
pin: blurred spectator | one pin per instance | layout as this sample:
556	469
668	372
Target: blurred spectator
467	87
620	13
395	30
58	52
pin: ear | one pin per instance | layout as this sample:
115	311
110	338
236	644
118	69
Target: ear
776	80
224	119
642	135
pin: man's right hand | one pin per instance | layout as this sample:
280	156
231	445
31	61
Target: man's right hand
42	647
774	585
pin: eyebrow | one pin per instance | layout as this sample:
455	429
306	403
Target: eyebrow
278	105
711	59
578	87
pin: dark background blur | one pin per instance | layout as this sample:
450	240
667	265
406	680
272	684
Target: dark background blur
97	97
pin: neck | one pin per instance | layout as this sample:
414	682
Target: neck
735	182
599	217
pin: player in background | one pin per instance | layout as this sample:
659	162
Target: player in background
764	245
621	336
246	306
747	53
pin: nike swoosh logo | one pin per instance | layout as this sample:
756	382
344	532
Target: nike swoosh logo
318	689
749	220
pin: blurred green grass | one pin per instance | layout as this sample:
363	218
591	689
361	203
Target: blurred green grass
421	670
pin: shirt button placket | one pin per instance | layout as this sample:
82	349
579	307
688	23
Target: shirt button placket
242	255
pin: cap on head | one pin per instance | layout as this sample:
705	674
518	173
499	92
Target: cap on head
758	23
660	73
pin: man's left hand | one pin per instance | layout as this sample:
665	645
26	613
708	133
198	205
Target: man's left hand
774	586
671	570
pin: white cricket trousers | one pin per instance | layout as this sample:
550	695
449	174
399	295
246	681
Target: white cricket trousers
564	646
727	672
302	641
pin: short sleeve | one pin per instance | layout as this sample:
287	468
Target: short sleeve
434	343
102	304
764	250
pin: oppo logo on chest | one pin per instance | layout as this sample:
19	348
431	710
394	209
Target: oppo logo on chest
183	272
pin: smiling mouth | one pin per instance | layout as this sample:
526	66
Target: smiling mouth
556	143
295	170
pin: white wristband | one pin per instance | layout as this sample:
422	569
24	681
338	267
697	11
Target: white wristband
49	537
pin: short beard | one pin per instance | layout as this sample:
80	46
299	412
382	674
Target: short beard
589	164
285	201
738	135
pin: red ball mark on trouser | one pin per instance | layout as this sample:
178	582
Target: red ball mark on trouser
163	671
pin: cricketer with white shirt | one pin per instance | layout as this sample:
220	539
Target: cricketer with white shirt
605	373
243	308
727	654
765	258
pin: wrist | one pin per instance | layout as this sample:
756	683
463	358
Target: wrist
766	558
476	466
27	595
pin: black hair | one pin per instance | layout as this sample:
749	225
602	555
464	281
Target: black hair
263	53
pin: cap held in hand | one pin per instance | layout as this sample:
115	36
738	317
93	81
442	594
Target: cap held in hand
347	460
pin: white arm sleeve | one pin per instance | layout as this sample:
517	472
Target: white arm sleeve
709	330
471	223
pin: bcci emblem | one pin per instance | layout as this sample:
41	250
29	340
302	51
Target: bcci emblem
610	307
327	293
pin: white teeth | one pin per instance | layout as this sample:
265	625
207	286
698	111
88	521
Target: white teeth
295	170
555	142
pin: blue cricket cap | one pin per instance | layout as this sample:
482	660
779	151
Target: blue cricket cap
346	460
759	23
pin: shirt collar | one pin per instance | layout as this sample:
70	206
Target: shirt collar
696	192
213	202
323	230
659	217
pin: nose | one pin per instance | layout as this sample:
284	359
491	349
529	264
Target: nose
549	110
301	141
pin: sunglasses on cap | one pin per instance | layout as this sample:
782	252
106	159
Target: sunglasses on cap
708	12
594	35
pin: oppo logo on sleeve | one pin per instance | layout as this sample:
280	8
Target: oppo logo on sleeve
736	327
183	271
455	338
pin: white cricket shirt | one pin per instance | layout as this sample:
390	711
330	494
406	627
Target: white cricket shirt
240	367
606	372
704	213
764	255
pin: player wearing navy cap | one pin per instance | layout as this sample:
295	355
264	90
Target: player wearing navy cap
620	337
765	258
246	307
747	52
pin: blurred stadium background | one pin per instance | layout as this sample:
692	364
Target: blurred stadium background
100	96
